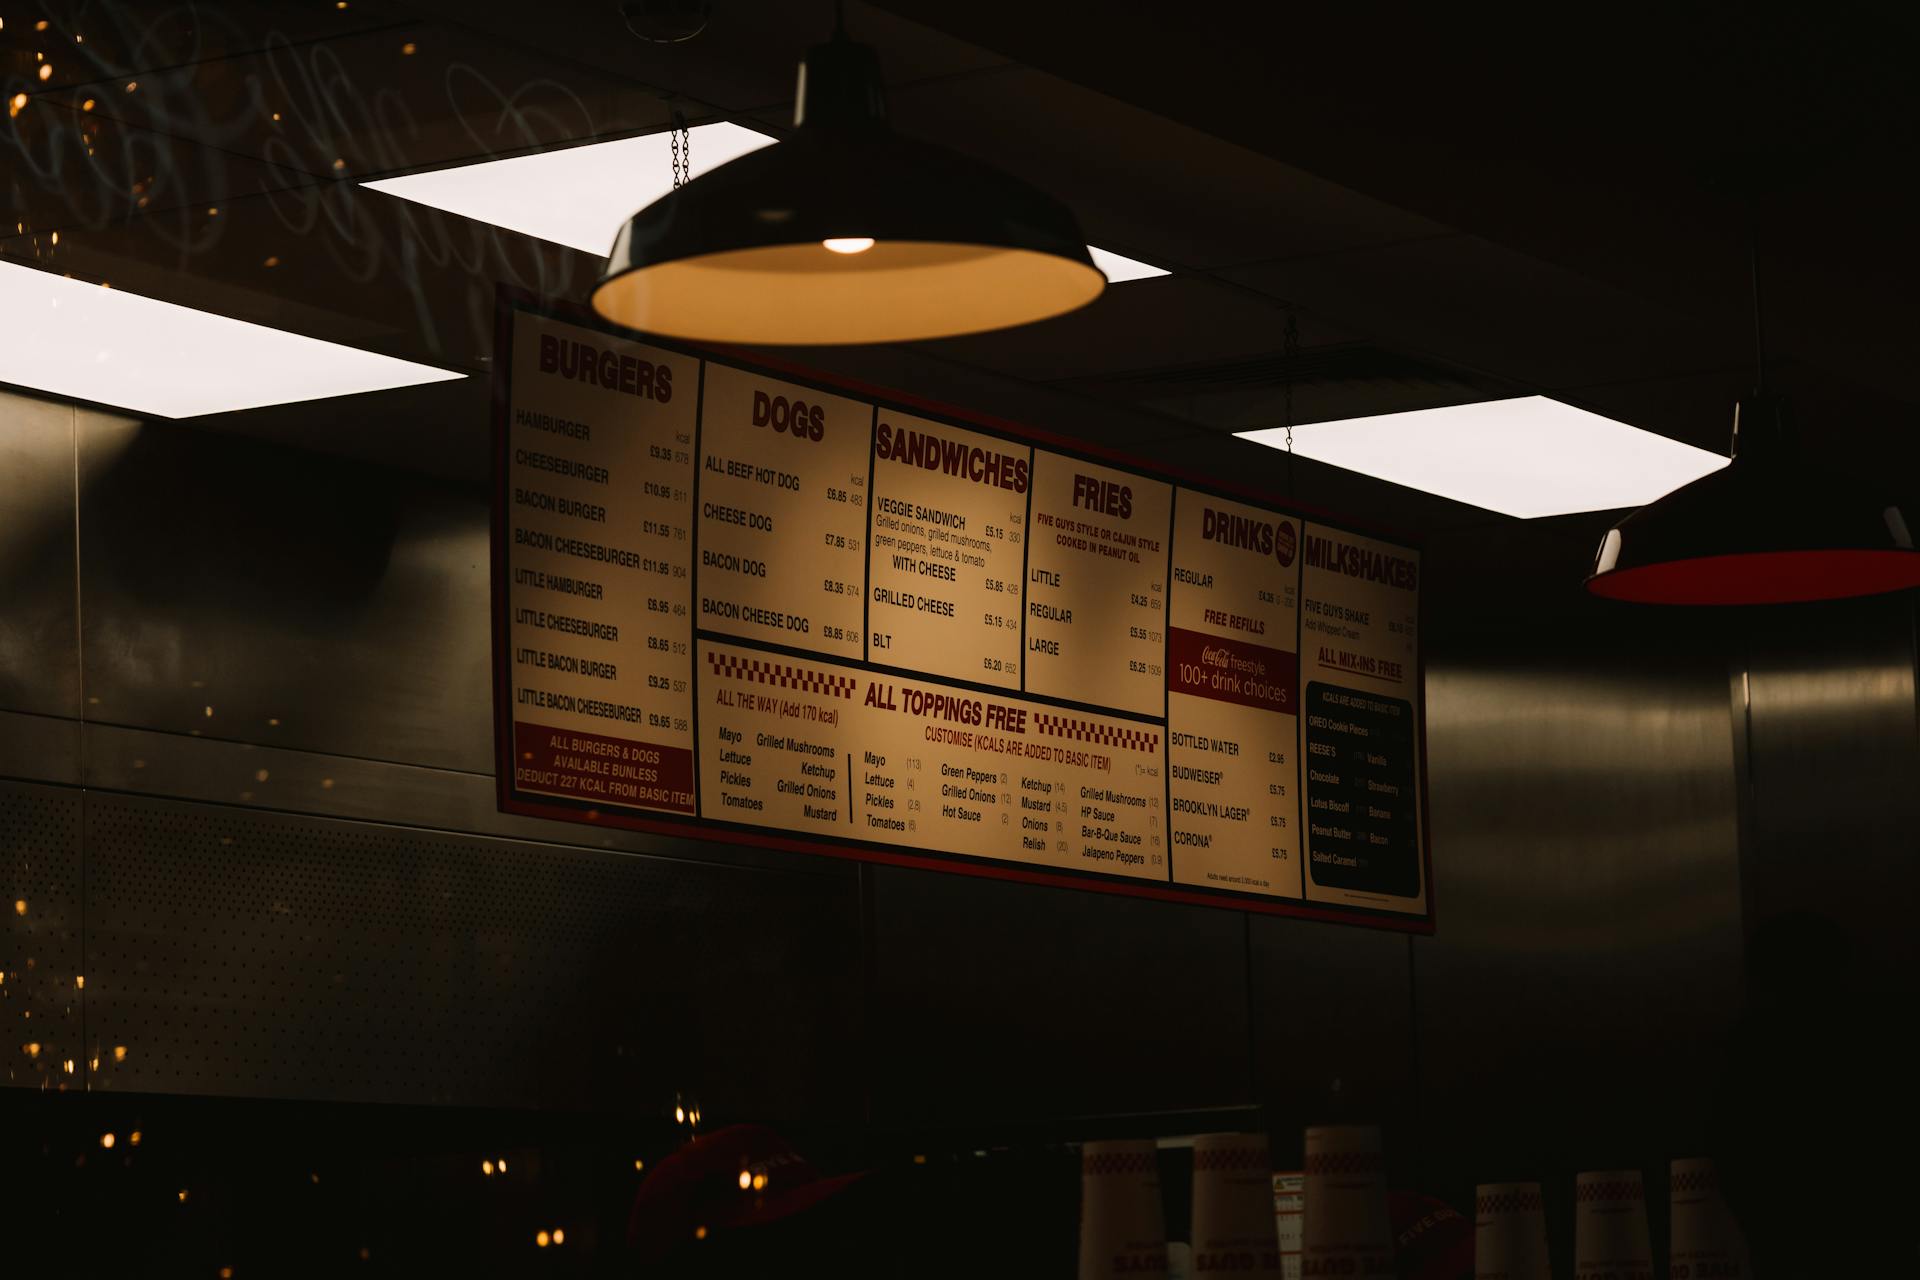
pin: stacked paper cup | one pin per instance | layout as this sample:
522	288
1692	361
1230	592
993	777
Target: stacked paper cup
1510	1232
1233	1206
1289	1207
1122	1229
1706	1239
1610	1226
1347	1230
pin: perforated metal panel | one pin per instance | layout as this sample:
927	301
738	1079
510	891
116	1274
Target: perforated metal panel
246	953
40	1001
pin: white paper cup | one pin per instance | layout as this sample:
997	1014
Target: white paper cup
1289	1211
1233	1206
1347	1230
1706	1241
1610	1226
1510	1232
1122	1228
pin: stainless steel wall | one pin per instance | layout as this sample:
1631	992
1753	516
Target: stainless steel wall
244	715
1832	772
1587	967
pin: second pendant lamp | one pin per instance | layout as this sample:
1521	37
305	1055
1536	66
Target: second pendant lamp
1768	528
1771	527
846	232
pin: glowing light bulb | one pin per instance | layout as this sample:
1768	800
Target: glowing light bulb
848	244
746	1179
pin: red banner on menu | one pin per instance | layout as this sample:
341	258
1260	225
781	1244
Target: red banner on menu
760	606
1232	671
589	766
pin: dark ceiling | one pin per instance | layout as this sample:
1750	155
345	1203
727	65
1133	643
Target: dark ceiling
1458	202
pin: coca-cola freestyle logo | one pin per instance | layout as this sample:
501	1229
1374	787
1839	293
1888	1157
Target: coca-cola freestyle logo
1275	538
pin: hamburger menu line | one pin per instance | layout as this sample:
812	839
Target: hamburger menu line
735	598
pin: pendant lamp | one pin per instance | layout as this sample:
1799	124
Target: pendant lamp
1771	527
846	232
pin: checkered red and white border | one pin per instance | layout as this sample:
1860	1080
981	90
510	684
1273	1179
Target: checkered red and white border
1344	1163
1509	1202
1104	735
733	667
1230	1160
1621	1189
1695	1180
1096	1164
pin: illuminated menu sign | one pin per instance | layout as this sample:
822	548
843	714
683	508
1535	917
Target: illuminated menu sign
753	606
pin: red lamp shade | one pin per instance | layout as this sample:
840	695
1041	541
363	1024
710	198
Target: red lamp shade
1769	528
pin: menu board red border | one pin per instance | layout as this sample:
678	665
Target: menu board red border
511	301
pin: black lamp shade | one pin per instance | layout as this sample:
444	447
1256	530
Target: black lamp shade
1769	528
740	254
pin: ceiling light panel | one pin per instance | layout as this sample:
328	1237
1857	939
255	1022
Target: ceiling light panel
1119	270
1526	457
580	196
69	338
576	196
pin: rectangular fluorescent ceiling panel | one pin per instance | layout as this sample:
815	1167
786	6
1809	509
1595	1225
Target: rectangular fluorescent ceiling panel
1119	270
1526	457
576	196
70	338
580	196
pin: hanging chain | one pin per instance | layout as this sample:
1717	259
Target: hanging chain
682	143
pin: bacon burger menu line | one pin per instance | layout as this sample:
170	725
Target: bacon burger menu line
864	624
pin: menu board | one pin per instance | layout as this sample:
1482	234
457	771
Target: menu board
755	605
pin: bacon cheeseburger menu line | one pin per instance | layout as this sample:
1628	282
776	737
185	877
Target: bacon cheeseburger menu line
729	600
